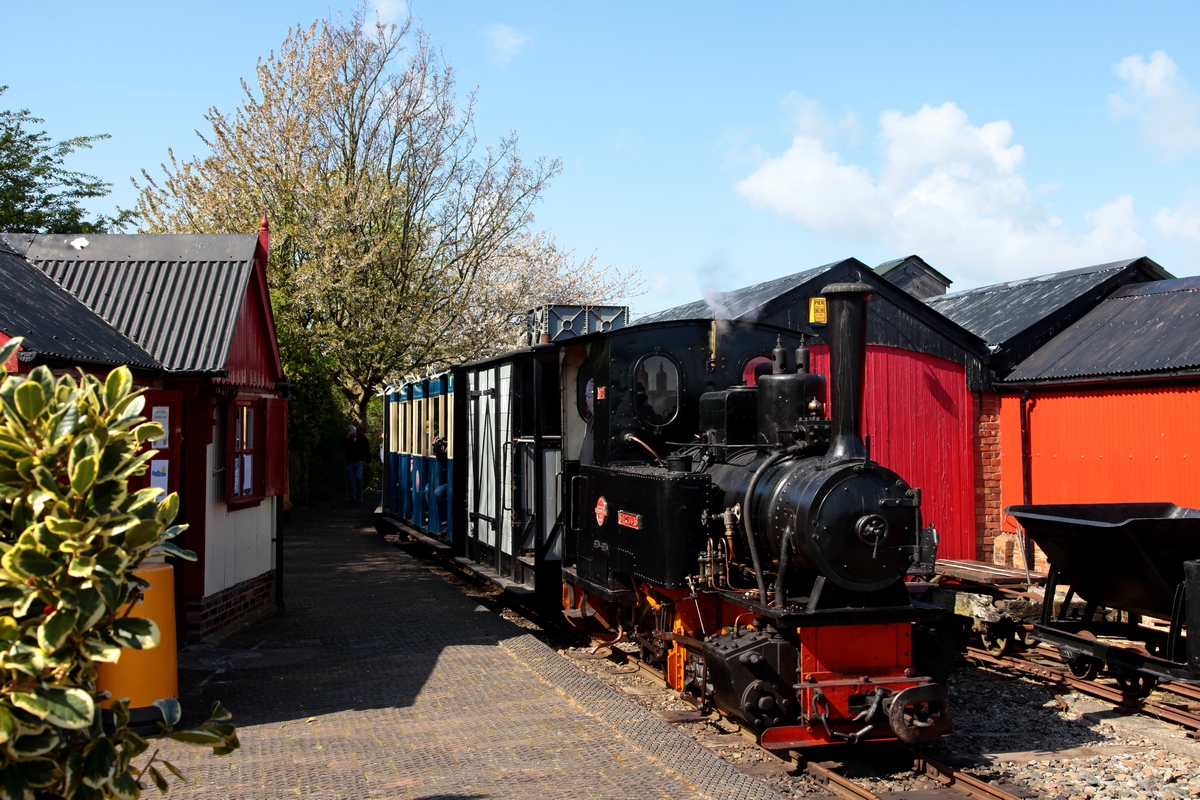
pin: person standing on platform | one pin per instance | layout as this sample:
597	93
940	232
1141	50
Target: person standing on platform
356	453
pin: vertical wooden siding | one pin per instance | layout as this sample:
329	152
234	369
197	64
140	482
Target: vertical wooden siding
238	543
251	362
919	416
1113	445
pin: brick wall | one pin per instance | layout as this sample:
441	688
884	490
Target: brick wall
987	474
217	611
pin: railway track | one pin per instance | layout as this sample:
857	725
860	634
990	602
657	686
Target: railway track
957	781
1124	701
828	774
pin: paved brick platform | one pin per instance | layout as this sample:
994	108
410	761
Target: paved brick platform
382	681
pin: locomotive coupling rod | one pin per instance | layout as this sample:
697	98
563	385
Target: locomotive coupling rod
686	641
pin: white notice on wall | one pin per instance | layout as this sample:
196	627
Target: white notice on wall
246	472
159	469
161	415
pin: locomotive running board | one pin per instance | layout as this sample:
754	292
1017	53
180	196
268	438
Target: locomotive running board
603	592
917	612
412	533
484	571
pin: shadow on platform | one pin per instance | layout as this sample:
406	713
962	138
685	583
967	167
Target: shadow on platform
363	628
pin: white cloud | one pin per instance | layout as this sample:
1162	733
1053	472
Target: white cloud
390	11
949	191
1161	101
814	119
507	41
1183	222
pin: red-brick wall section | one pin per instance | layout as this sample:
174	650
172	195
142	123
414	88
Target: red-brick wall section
223	609
987	474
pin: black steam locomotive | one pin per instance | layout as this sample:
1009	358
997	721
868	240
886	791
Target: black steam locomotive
679	485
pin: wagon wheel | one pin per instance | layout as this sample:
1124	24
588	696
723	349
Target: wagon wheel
996	637
1085	668
1138	686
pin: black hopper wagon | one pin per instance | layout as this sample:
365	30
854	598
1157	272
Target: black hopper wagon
680	485
1136	567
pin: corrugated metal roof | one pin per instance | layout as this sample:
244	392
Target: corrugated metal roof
997	314
740	304
1143	327
177	295
55	324
895	263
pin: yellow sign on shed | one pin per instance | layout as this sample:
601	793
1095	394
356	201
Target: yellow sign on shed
816	311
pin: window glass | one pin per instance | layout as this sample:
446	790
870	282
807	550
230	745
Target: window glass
244	449
656	389
585	391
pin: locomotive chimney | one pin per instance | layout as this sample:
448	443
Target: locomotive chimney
847	304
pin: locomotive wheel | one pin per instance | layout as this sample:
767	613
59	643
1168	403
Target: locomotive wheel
996	637
1137	687
1085	668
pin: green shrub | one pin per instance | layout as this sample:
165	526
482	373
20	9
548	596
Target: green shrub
71	535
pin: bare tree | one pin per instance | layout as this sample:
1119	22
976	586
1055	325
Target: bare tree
392	229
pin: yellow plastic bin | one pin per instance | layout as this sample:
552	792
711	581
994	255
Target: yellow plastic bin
148	675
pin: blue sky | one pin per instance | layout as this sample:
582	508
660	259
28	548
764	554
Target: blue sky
714	145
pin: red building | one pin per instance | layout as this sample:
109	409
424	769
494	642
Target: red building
195	310
1107	411
1019	320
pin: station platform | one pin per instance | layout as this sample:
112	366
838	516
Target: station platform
380	680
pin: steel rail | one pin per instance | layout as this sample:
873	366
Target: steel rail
1111	694
1188	690
955	779
943	774
842	787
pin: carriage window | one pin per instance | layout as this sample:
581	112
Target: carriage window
656	389
755	367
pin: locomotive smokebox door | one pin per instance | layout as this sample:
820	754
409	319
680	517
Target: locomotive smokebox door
651	530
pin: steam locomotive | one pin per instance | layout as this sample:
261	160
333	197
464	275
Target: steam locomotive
680	486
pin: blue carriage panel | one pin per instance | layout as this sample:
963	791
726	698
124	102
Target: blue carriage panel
439	431
390	410
419	467
404	455
395	499
452	424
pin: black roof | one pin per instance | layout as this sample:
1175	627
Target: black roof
55	325
1016	318
1140	328
177	295
897	319
744	305
898	263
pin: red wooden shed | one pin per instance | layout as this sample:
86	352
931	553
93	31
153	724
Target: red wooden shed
198	305
1107	411
1017	319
